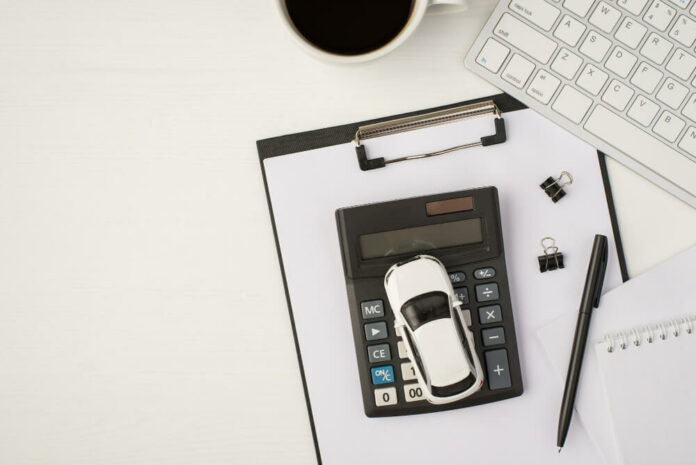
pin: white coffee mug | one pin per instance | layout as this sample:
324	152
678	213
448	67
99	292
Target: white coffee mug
417	13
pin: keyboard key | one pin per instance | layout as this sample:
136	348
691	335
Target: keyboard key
646	77
518	71
680	3
537	11
595	46
401	346
528	40
642	147
572	104
617	95
376	331
672	93
372	309
378	353
693	10
659	15
493	336
668	126
656	48
643	110
385	396
621	62
498	369
633	6
579	7
631	32
684	31
688	142
484	273
605	17
487	292
689	109
490	314
407	371
681	64
413	392
382	374
566	63
543	86
569	30
492	55
592	79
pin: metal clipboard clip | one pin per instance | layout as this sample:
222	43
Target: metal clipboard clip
411	123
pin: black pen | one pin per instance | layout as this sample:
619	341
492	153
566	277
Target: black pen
590	300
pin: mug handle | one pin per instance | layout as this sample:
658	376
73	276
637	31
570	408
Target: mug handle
447	6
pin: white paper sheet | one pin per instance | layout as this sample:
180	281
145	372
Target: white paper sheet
306	189
661	293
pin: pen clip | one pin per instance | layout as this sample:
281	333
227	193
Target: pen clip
597	292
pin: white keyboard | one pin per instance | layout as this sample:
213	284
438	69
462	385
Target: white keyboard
618	74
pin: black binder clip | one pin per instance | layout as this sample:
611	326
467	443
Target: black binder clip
554	187
552	258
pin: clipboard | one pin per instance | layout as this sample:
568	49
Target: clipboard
365	164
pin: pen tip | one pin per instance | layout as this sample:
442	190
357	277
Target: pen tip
559	450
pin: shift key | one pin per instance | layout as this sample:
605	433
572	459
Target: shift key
524	38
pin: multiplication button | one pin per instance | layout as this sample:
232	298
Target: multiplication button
385	396
490	314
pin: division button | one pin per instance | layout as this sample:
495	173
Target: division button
498	369
382	374
493	336
379	353
484	273
372	309
385	396
487	292
376	331
490	314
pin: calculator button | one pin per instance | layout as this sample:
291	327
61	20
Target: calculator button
462	295
372	309
382	374
376	331
407	371
484	273
487	292
379	353
413	392
498	369
402	349
467	317
385	396
457	277
490	314
493	336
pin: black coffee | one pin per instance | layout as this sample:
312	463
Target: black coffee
349	27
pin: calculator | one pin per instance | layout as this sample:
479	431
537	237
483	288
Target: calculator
463	230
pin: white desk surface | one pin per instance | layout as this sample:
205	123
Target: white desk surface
142	313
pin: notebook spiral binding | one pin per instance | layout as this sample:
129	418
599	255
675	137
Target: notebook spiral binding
648	334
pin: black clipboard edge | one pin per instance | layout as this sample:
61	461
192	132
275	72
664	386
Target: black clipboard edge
309	140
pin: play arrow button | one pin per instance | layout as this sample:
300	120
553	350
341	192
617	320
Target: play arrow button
375	331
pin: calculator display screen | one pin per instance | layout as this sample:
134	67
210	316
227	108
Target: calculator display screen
421	238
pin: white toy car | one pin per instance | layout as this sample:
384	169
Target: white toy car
429	320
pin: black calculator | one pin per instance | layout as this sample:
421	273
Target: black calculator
461	229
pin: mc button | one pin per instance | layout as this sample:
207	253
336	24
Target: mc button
372	309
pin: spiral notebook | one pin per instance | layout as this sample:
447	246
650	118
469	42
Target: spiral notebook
638	403
648	376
